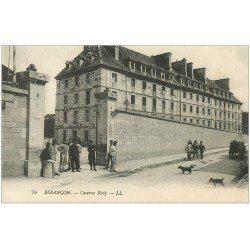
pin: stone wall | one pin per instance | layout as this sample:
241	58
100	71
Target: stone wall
139	136
14	115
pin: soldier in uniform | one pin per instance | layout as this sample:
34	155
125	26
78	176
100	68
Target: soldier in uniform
91	156
74	156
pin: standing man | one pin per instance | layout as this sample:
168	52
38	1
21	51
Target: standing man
113	156
202	149
109	155
74	157
53	151
91	156
63	149
188	150
195	150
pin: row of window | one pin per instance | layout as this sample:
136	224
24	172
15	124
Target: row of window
74	135
76	116
77	80
76	98
217	125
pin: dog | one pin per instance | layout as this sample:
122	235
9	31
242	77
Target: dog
186	169
217	181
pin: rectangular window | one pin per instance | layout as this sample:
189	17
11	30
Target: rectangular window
86	135
184	107
208	111
163	89
198	121
172	106
191	120
215	102
220	103
154	87
172	92
132	66
65	99
215	124
197	98
144	85
153	72
154	104
88	97
65	116
75	116
203	122
184	94
87	115
144	101
143	69
220	114
191	109
220	125
215	113
208	123
203	98
76	98
163	105
203	111
208	99
191	96
77	80
88	78
132	99
66	83
197	110
74	134
184	119
132	82
64	136
114	78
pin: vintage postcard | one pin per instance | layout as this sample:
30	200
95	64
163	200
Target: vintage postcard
116	124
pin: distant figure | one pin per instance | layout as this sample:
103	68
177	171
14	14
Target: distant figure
202	149
45	156
69	143
74	157
64	150
53	151
195	150
188	150
91	156
109	155
242	150
113	157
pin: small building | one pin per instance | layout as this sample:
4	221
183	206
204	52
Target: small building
49	125
150	105
22	121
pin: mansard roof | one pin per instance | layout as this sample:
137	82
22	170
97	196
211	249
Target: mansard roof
102	56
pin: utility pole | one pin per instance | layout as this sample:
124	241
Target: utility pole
14	64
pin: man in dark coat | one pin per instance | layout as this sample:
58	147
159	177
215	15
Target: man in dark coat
91	156
74	156
202	149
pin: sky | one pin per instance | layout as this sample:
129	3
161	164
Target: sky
220	61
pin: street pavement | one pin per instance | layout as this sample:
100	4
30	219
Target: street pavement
147	180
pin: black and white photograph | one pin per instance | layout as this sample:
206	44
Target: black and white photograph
97	123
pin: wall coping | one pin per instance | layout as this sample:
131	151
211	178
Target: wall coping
14	90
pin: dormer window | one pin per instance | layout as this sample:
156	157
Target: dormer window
143	69
154	72
162	76
77	80
132	66
189	83
67	66
66	83
195	85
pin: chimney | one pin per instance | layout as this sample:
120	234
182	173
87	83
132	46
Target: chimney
190	73
117	53
164	60
200	74
180	66
223	83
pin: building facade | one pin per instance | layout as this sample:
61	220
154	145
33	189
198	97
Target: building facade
22	121
104	82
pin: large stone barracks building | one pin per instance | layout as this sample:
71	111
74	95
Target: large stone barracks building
150	105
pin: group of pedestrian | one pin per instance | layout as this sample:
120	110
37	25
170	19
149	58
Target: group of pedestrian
194	150
70	156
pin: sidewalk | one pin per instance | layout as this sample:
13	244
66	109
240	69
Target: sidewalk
139	164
